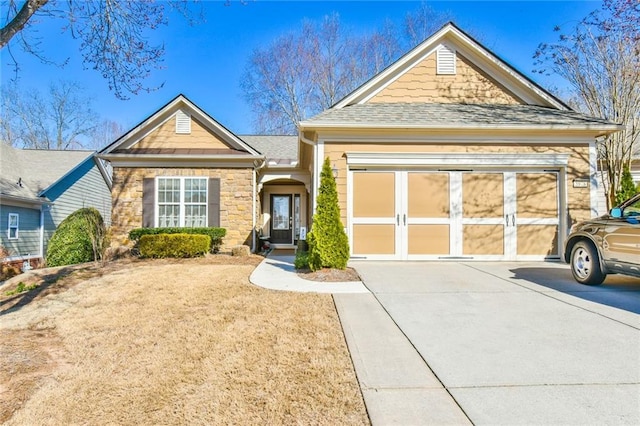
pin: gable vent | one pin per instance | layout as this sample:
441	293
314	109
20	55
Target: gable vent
183	123
446	59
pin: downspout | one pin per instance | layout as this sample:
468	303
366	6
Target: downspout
42	207
314	180
253	203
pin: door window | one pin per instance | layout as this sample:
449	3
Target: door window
280	210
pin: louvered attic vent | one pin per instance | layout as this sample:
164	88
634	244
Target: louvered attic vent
183	123
446	59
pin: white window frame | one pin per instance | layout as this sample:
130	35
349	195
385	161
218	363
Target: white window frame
182	203
16	227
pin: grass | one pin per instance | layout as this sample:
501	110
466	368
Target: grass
190	342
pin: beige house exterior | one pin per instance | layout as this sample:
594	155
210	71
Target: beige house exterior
449	153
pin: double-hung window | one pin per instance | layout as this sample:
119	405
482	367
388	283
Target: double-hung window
182	202
12	226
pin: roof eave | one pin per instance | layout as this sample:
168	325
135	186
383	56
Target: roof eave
39	201
605	129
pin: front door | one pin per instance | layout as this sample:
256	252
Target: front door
281	219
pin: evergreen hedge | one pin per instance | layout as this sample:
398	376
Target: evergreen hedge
174	245
328	243
215	234
81	237
627	188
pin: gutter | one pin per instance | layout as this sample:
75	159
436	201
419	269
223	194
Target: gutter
604	128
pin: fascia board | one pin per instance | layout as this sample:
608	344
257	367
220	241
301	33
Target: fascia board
598	129
169	160
164	114
379	80
452	159
11	200
443	138
507	76
470	48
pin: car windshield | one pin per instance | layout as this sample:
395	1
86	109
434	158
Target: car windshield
632	209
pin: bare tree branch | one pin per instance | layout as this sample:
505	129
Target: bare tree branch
114	35
63	119
600	58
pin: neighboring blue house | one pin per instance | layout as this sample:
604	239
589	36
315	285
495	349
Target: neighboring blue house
39	189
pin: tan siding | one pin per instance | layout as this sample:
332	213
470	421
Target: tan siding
235	200
468	85
165	137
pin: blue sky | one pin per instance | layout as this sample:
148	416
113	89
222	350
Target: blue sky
205	62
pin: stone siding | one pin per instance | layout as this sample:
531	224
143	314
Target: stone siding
235	201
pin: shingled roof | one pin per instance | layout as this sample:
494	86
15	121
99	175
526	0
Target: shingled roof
279	149
455	116
25	173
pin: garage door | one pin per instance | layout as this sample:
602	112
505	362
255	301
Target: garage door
485	215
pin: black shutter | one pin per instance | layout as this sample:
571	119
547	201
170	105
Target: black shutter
214	202
148	202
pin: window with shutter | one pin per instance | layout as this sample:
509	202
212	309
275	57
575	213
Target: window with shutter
183	123
446	60
180	202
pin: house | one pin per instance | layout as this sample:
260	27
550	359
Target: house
39	189
449	153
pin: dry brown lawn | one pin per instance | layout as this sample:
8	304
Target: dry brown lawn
171	342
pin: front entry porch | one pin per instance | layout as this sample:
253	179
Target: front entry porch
284	213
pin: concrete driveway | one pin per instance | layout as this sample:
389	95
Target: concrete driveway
494	343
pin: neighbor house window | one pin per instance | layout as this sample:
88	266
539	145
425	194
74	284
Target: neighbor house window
182	202
12	228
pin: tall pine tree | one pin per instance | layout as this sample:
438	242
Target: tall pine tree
328	243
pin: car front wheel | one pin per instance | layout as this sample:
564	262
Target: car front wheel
585	264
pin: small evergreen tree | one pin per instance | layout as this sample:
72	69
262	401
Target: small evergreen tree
328	243
627	187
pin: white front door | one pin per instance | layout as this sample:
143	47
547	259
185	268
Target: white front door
484	215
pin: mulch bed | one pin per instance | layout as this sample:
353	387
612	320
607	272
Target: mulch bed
329	275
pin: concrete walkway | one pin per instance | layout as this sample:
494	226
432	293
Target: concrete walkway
397	385
276	272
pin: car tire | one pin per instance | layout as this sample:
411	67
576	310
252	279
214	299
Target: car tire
585	264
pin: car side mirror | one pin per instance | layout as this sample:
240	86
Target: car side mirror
616	212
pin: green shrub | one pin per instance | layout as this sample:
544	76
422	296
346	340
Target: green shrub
328	243
174	245
81	237
627	187
215	234
302	260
